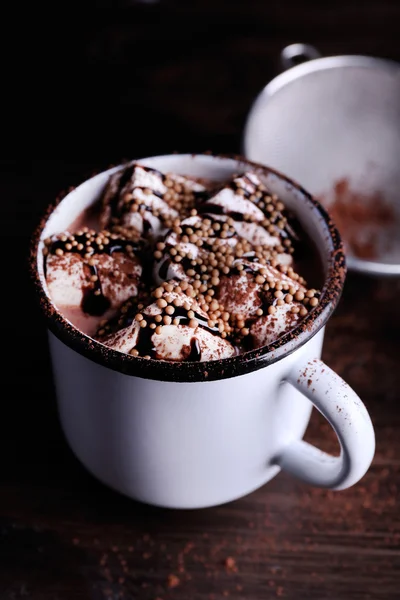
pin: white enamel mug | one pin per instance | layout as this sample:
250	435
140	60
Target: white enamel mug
191	435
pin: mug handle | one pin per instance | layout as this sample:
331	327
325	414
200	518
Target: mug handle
298	53
341	406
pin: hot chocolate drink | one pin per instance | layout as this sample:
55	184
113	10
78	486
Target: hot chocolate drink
181	269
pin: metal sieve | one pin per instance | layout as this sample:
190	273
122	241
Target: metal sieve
333	124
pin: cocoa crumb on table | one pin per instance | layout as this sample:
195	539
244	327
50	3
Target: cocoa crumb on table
173	581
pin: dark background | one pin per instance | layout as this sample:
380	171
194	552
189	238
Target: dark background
85	85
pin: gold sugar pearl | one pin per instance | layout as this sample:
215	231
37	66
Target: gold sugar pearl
299	296
161	303
170	310
143	324
158	329
214	305
271	310
303	311
193	323
167	320
313	302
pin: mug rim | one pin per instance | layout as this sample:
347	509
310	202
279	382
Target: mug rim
185	372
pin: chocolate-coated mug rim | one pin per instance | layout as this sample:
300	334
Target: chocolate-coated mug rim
211	370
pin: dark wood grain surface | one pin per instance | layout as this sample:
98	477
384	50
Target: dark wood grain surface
137	79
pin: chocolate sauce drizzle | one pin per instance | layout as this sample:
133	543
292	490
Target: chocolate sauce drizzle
144	344
94	302
217	209
287	232
163	269
195	351
182	315
124	179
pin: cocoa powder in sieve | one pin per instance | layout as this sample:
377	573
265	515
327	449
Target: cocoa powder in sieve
361	219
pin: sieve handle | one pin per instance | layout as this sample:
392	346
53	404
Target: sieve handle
298	53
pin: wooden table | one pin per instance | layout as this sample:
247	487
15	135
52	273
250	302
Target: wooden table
144	79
